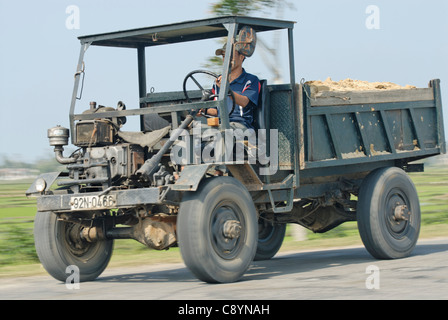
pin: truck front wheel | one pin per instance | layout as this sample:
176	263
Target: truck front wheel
217	230
388	213
59	245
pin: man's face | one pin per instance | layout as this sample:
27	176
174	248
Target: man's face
237	60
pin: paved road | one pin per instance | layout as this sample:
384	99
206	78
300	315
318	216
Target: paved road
346	273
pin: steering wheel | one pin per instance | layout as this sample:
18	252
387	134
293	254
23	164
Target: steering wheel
206	94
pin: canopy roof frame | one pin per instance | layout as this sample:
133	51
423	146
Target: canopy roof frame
182	32
142	38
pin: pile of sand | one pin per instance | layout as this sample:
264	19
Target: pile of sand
352	85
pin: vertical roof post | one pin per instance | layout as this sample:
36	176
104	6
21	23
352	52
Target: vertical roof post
141	80
225	85
79	71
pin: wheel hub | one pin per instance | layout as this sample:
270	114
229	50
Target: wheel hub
227	231
402	213
399	214
231	229
73	240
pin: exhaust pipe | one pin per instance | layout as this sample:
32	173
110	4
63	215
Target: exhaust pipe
58	137
151	166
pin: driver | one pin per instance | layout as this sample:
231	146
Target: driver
245	87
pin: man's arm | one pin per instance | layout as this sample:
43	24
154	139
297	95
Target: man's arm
240	99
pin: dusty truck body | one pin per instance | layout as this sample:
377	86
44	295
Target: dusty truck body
327	159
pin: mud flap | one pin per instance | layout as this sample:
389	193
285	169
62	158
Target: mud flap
190	177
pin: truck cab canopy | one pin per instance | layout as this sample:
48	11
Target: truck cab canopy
182	32
143	38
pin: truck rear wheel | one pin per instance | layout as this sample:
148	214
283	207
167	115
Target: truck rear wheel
59	245
388	214
217	230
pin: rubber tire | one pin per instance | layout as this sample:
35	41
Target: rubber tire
196	238
270	240
50	236
374	220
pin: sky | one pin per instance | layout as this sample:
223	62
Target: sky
401	41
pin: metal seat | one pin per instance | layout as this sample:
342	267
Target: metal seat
261	113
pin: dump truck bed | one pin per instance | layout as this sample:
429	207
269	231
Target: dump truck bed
352	127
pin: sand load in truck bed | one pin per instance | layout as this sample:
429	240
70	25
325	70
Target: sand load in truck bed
349	92
318	86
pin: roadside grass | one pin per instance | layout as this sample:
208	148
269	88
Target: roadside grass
18	256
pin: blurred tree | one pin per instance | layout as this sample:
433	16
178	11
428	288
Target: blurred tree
241	7
47	164
248	8
7	162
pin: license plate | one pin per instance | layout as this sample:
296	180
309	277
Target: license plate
92	202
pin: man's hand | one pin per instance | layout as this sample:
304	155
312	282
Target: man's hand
210	112
200	112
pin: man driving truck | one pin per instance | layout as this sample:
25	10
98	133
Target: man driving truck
245	87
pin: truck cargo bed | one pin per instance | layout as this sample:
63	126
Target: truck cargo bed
354	127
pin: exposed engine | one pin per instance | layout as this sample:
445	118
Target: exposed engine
107	156
108	159
110	163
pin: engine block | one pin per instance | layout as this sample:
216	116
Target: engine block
114	162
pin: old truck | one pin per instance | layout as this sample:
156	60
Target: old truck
318	161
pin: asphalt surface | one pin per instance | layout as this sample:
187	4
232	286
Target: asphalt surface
342	273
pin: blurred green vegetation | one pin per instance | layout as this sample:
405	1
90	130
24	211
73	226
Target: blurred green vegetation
17	215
